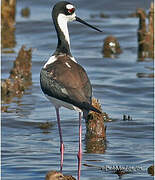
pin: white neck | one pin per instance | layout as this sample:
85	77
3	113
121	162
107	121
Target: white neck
62	22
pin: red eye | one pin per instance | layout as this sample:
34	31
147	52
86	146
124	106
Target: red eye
71	10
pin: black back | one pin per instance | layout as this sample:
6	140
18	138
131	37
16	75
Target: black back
58	76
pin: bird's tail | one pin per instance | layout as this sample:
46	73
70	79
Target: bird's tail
89	107
92	108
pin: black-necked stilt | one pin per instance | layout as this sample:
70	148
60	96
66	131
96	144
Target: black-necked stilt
63	80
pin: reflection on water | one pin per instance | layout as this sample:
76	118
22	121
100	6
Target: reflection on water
95	145
145	75
27	152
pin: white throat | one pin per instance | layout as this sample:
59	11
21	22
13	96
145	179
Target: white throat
62	22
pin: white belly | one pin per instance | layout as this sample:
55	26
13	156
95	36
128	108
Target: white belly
58	103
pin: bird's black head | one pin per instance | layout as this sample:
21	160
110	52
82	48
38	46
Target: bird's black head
66	12
63	7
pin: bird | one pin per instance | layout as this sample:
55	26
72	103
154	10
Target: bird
63	81
55	175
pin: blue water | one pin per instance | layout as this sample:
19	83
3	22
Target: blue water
28	152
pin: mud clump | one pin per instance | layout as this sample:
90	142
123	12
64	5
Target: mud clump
101	15
127	118
111	47
150	170
25	12
95	129
146	33
55	175
45	126
20	76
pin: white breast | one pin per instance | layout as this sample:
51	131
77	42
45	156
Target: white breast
52	59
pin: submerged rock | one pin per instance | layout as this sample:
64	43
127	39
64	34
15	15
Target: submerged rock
111	47
150	170
8	37
151	19
20	76
127	118
95	122
95	129
55	175
8	13
22	65
45	126
145	34
4	108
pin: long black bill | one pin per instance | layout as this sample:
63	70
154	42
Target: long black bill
83	22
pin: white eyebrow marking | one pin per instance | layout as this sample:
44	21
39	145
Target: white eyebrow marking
69	6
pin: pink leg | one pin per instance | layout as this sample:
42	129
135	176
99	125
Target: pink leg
80	147
61	141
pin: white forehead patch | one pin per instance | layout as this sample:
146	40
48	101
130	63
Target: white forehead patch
69	6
